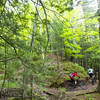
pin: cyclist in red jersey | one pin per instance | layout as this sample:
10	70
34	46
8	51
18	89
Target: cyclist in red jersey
72	75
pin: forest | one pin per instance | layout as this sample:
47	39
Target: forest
42	42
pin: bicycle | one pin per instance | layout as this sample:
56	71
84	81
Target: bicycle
93	80
81	84
77	84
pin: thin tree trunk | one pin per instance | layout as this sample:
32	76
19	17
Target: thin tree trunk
34	30
98	89
5	69
31	45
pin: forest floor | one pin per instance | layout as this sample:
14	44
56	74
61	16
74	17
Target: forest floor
82	92
83	85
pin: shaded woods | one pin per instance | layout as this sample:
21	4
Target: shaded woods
43	41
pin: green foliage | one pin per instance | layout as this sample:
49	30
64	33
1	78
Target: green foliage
63	90
89	97
57	76
72	36
70	67
9	84
54	28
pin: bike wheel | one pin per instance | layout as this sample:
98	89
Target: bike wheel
83	85
93	80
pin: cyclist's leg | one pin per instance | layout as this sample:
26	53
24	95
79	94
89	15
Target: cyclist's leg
73	82
89	79
93	79
71	85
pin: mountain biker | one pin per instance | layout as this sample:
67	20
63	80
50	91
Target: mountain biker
90	72
72	75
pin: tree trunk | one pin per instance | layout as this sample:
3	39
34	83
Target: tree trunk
98	89
5	74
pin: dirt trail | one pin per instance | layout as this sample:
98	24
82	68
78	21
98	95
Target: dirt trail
83	85
58	94
79	90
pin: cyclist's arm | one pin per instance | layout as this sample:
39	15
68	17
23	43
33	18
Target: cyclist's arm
77	75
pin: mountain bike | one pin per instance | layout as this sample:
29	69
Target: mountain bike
81	84
77	84
92	80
